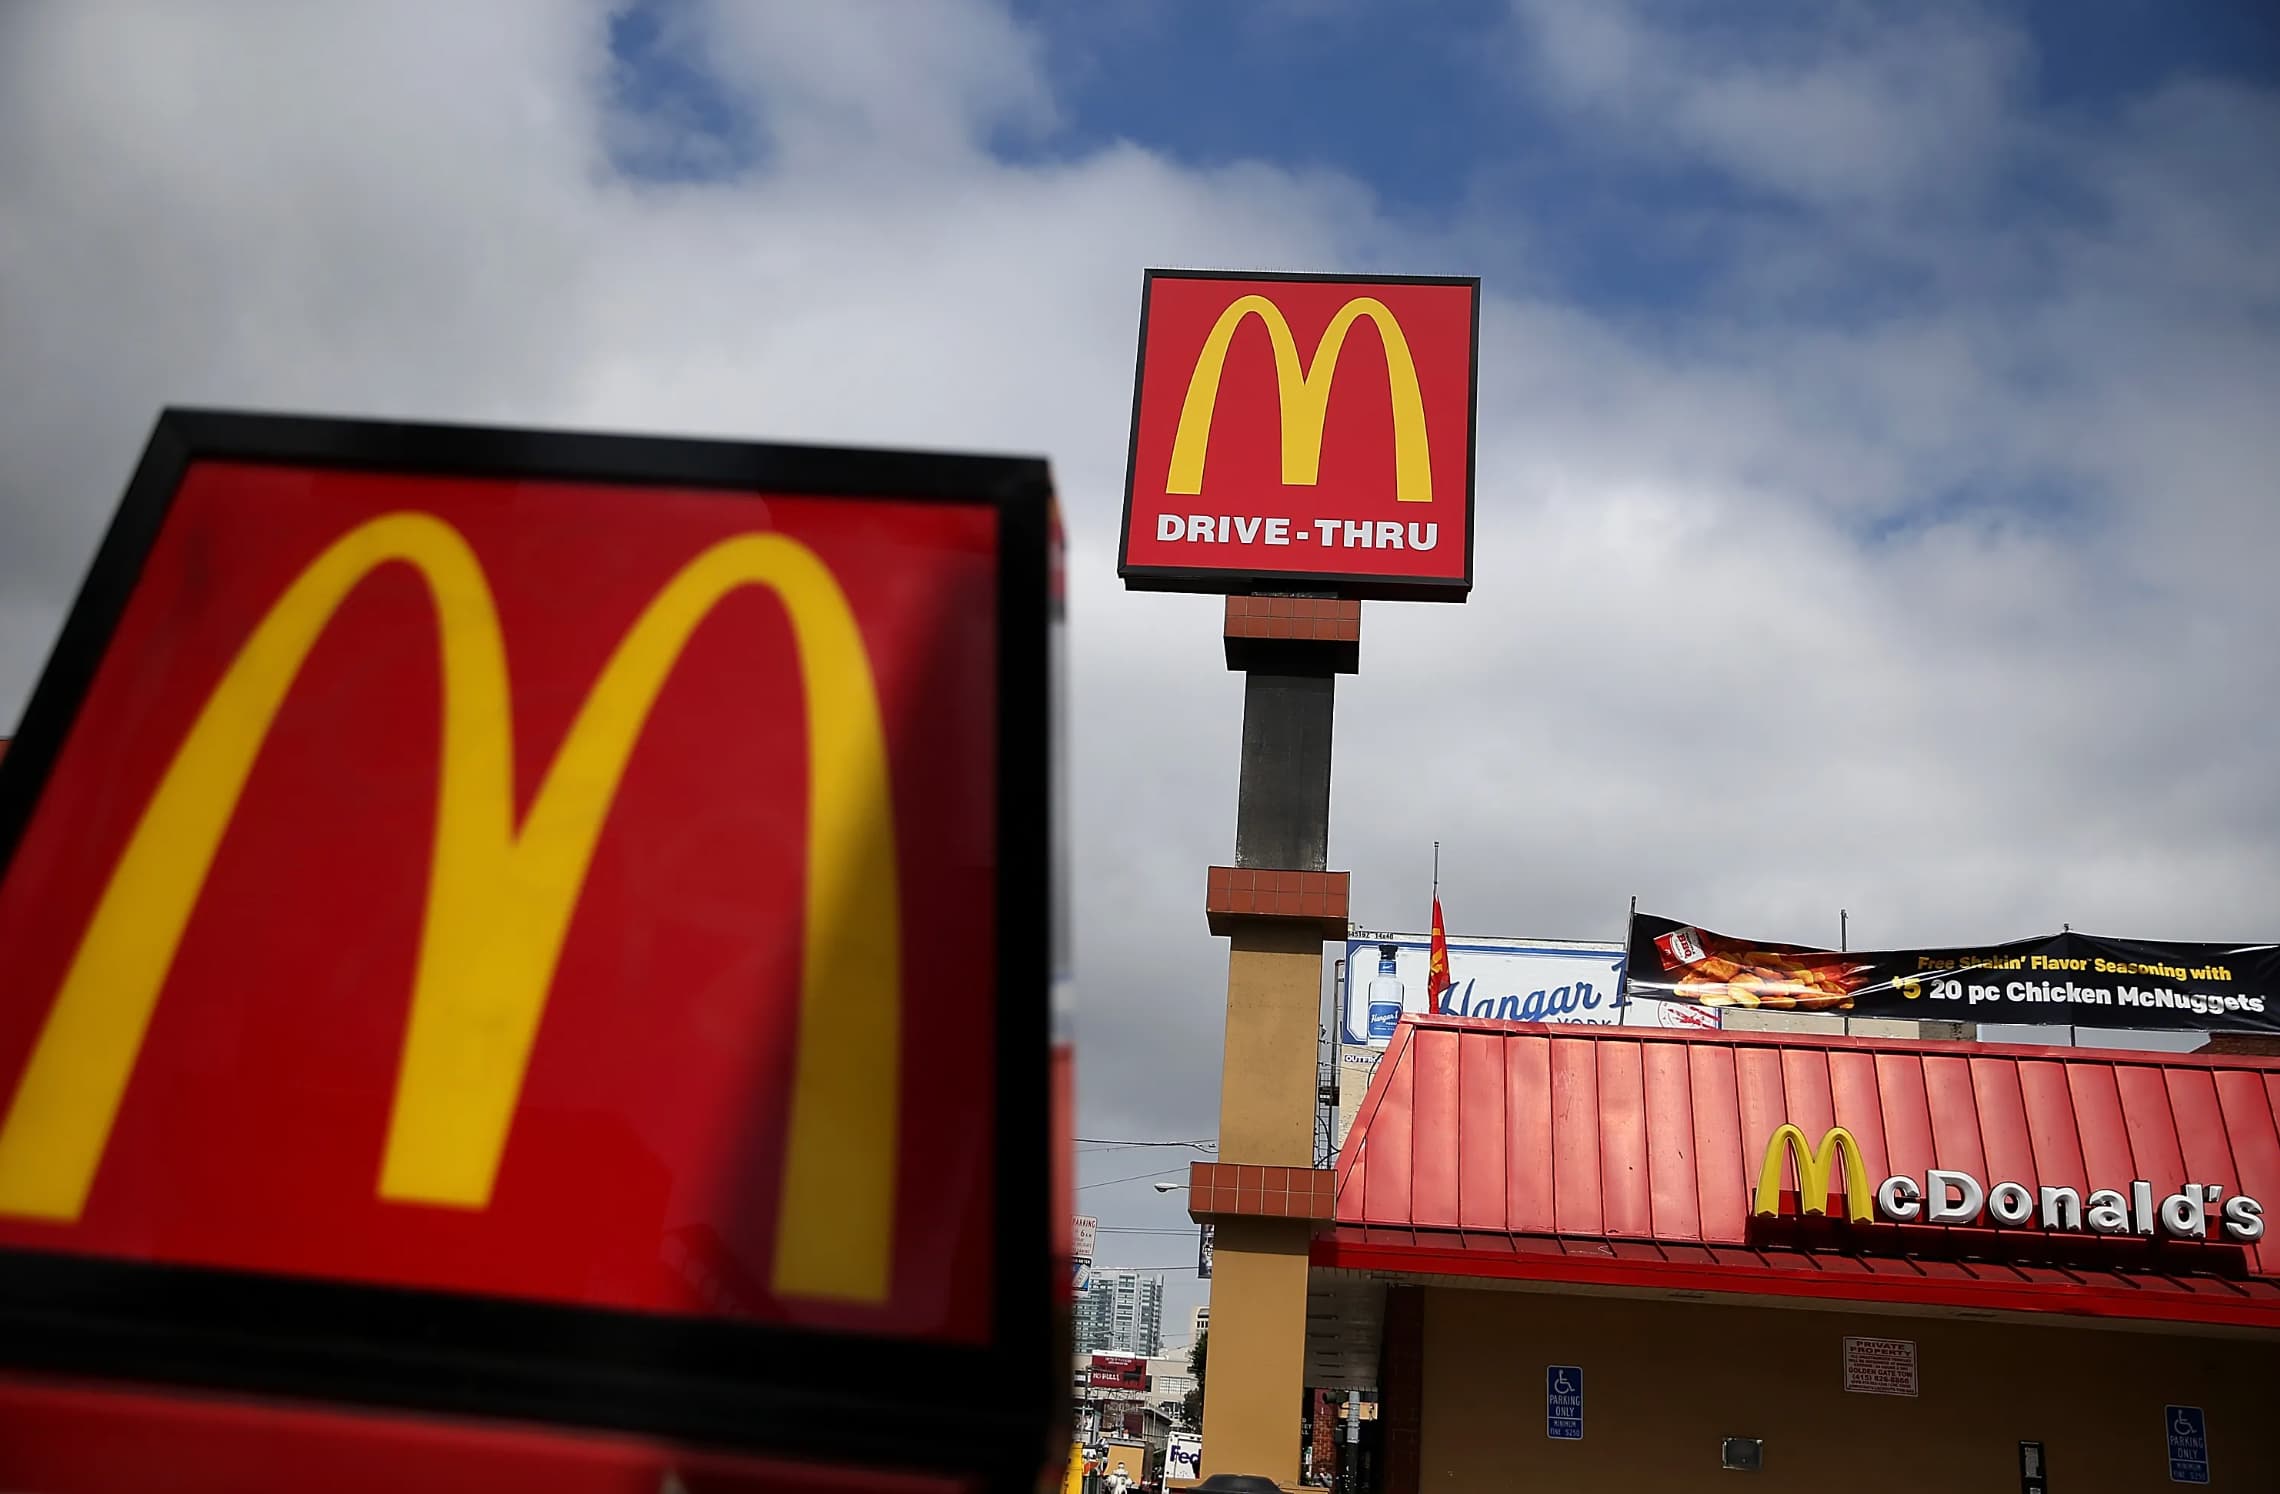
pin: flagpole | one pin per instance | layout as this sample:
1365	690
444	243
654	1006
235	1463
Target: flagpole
1623	983
1436	947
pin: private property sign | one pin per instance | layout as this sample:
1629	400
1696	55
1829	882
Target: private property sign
1304	432
1880	1366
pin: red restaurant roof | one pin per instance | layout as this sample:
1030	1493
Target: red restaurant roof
1628	1156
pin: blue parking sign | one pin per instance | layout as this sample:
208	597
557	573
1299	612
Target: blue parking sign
2188	1432
1563	1402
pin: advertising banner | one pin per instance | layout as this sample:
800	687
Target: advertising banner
2063	979
1509	979
1303	430
488	907
1117	1372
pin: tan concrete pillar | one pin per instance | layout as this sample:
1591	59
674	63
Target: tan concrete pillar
1254	1386
1267	1077
1267	1082
1275	923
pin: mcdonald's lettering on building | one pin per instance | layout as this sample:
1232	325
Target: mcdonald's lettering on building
1832	1181
554	883
1309	432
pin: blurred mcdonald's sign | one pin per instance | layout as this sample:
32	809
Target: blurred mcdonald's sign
500	898
496	866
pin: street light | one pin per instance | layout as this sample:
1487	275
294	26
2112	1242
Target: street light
1171	1187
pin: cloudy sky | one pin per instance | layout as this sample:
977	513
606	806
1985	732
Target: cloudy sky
1878	404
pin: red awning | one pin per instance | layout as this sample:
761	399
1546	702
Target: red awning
1626	1157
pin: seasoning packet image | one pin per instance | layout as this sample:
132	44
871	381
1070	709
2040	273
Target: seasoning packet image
1718	971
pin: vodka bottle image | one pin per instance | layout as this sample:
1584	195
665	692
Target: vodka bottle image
1385	997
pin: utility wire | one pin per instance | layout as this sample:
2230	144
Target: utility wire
1134	1178
1172	1267
1133	1146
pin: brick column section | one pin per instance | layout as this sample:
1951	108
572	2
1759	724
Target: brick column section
1267	635
1304	899
1217	1190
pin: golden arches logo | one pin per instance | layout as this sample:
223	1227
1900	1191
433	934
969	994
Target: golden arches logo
500	899
1813	1167
1304	390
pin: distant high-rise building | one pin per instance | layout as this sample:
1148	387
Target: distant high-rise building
1094	1318
1199	1323
1122	1313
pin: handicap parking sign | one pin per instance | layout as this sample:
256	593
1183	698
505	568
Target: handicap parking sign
1563	1402
2188	1431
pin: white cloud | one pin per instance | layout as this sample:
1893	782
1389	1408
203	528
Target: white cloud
1953	611
915	84
1842	103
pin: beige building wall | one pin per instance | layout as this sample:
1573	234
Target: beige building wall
1356	1067
1664	1382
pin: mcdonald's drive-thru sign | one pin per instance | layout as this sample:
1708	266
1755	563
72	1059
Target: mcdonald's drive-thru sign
1303	433
535	924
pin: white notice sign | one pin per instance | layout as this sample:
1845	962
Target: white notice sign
1880	1366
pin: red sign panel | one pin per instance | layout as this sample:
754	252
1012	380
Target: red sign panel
73	1436
1303	432
572	885
1118	1372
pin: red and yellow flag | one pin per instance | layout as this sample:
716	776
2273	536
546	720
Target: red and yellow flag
1437	968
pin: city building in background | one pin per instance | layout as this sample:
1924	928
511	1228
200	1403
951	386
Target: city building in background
1127	1407
1121	1312
1163	1380
1169	1380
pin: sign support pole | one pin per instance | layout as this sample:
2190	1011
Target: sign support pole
1276	906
